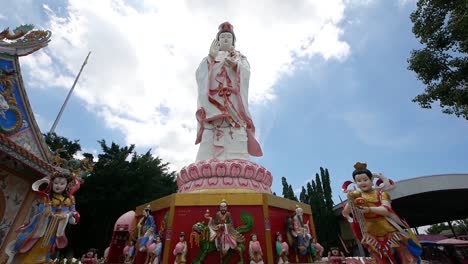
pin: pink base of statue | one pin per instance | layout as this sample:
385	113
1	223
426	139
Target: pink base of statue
224	174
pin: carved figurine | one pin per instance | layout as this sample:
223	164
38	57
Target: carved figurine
387	238
255	250
335	256
129	252
223	231
155	251
90	257
282	249
180	250
298	232
146	230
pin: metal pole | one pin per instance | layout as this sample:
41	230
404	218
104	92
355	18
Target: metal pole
52	130
451	228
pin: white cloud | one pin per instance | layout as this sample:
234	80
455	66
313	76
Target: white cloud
140	76
375	129
403	3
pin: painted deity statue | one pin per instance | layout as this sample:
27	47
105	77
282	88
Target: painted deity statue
155	251
146	230
316	250
301	231
222	230
387	238
336	256
129	252
46	230
255	250
180	250
90	257
225	127
282	249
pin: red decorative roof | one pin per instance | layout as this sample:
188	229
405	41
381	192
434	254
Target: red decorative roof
25	153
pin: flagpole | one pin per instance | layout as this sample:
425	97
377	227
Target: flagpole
52	130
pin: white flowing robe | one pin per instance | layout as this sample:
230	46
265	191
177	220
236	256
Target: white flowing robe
225	127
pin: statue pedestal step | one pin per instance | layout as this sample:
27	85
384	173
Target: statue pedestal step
213	175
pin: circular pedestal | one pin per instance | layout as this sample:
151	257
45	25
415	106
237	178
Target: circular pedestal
213	175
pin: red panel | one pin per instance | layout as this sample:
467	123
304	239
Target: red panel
187	216
158	216
278	224
118	242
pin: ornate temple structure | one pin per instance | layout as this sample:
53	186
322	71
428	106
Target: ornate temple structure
224	211
37	186
24	156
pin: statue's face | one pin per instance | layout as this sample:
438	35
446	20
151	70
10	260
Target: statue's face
226	41
254	237
145	213
299	211
181	238
363	182
158	239
59	185
223	208
335	252
280	238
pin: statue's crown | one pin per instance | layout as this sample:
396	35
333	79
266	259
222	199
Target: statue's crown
360	166
226	27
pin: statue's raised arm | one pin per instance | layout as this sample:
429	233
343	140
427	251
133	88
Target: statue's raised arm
225	127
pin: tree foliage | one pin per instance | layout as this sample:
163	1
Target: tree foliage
437	228
442	63
62	145
288	192
459	226
121	180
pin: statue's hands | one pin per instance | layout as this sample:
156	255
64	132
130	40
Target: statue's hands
348	218
214	49
364	209
48	209
230	63
76	216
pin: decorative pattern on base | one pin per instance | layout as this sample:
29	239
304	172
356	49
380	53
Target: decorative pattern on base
224	174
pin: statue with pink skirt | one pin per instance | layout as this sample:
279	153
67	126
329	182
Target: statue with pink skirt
255	250
180	250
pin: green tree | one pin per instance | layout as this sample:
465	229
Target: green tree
461	226
65	147
121	180
320	199
288	192
437	228
442	63
303	196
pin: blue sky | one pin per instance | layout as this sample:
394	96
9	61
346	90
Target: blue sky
329	82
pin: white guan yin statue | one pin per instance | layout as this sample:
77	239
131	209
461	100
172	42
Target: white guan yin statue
225	127
226	133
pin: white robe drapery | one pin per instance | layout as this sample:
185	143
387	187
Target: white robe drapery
225	127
